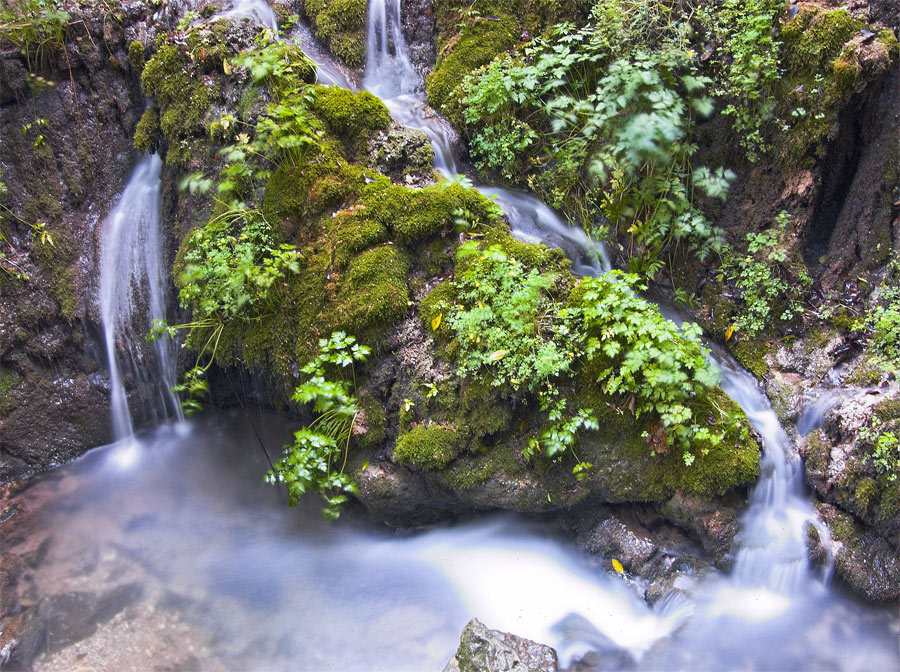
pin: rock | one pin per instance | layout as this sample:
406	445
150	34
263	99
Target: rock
865	561
403	154
714	523
70	617
484	650
21	639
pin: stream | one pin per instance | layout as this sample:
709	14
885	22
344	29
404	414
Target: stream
221	575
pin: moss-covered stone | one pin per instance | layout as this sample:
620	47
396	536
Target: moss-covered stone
146	134
469	471
825	60
9	381
751	354
373	424
488	28
350	115
183	99
340	24
136	55
426	447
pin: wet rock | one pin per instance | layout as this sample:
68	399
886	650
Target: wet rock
70	617
484	650
21	639
714	523
419	31
403	154
865	561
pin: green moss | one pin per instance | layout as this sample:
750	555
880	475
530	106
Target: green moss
340	24
467	472
353	233
842	320
375	295
539	15
866	373
426	447
751	355
146	135
375	421
865	490
887	410
182	97
435	303
9	381
817	453
489	29
297	197
381	264
136	55
348	114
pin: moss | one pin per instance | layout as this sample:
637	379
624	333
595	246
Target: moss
297	197
9	381
340	24
136	55
817	453
815	36
865	490
751	355
375	421
539	15
489	29
350	114
426	447
375	296
865	374
467	472
183	99
435	303
353	233
842	320
887	410
146	135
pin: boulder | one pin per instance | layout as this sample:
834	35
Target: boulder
484	650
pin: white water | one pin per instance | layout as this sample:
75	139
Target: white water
132	276
257	11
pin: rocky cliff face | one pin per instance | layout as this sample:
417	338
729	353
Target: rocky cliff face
69	111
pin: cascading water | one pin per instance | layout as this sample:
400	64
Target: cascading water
258	11
133	280
389	72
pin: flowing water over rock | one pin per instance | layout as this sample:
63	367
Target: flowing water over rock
132	294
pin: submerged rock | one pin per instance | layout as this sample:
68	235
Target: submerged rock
484	650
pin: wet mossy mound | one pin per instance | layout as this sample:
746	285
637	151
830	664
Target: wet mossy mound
340	24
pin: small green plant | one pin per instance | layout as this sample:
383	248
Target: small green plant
770	284
39	137
37	27
885	449
881	323
644	357
315	460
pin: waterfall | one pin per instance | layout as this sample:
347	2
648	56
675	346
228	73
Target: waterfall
257	11
389	73
132	286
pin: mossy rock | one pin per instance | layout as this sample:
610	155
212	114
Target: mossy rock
426	447
374	422
136	55
751	353
146	134
297	197
350	115
489	29
182	97
340	24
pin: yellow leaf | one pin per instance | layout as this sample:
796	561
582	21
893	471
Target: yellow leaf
498	355
618	566
436	322
729	333
226	67
365	465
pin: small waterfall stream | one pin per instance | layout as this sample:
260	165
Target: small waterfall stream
132	285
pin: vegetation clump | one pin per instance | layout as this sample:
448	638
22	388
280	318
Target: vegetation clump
340	24
426	447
